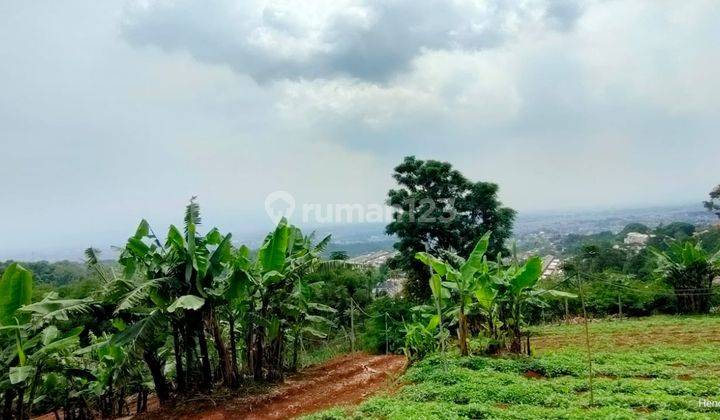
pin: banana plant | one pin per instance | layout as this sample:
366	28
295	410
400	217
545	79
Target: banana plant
462	282
183	273
687	266
420	338
30	347
303	315
15	291
268	281
517	288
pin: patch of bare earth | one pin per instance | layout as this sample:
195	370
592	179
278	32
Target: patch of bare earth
345	380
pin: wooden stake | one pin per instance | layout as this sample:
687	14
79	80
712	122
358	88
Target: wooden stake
352	326
386	334
587	343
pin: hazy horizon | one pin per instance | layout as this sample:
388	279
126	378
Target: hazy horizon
343	232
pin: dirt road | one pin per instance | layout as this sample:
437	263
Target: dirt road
341	381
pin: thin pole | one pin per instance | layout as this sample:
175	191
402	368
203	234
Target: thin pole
620	307
386	334
352	326
587	343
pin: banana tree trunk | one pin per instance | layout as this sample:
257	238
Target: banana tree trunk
7	406
275	364
249	367
233	348
156	371
33	389
259	343
189	344
226	368
20	408
296	348
205	357
258	357
179	372
516	344
463	332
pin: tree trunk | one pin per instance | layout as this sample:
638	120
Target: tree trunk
20	413
233	348
275	364
156	370
7	406
516	344
179	373
33	388
258	356
205	356
189	344
226	368
296	347
138	402
249	367
462	332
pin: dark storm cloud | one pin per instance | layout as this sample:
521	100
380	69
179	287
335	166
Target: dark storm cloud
370	40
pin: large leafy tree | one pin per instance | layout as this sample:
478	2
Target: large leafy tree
711	204
437	208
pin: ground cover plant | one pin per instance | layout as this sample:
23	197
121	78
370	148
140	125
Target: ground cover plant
657	367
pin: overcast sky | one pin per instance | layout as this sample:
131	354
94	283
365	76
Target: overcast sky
115	110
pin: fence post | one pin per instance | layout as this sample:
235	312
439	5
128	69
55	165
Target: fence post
386	334
587	342
352	326
620	306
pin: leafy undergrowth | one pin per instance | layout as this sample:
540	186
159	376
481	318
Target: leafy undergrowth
640	373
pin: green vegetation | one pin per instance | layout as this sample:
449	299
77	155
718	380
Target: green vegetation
438	209
711	205
657	367
193	314
490	291
196	313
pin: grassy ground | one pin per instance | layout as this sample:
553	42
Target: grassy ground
656	367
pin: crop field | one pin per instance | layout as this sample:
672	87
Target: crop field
658	367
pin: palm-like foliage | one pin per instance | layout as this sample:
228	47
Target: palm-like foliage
690	270
173	306
498	291
273	282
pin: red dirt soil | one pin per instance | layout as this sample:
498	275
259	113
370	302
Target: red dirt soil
345	380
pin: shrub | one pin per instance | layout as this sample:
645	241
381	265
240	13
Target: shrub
373	337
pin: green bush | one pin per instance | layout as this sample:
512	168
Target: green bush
373	336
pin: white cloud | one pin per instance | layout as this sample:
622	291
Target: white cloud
450	85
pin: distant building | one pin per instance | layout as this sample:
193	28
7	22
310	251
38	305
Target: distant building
636	239
391	287
373	259
551	266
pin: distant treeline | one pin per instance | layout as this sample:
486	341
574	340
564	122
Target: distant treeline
57	273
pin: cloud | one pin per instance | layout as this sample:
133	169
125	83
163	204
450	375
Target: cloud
116	111
369	40
440	85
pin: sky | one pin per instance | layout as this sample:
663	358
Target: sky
115	111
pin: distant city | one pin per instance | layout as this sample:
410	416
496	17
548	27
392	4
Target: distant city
533	231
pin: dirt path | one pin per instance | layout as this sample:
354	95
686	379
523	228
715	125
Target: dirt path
341	381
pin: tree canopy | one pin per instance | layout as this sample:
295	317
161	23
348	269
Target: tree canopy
711	205
437	208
